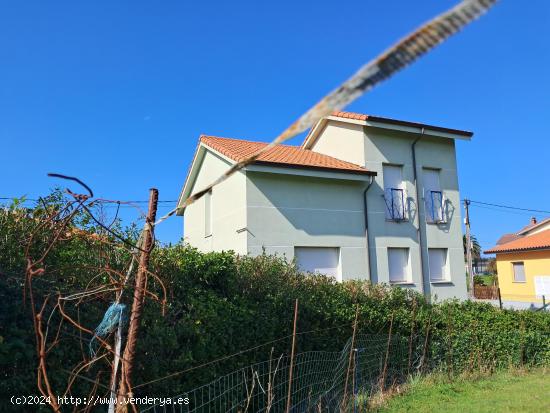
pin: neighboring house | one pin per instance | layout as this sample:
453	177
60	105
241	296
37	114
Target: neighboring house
523	260
363	197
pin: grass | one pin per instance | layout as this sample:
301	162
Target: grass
515	391
486	279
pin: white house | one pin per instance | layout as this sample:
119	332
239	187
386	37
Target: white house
363	197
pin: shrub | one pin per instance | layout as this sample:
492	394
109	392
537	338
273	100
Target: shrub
221	303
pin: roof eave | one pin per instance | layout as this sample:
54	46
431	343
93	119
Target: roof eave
386	123
456	133
191	176
319	168
517	250
314	133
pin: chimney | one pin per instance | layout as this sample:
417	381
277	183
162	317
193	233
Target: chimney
533	220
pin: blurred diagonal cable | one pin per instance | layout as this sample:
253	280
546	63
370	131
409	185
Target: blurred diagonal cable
397	57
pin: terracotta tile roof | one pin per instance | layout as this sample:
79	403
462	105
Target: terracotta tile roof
350	115
540	240
532	225
507	238
281	155
364	117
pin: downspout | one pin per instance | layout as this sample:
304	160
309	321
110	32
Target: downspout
419	233
366	212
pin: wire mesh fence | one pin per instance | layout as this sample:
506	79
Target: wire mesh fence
515	301
321	382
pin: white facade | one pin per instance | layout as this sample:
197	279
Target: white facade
318	217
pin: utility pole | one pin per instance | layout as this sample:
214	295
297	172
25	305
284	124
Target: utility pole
469	248
125	386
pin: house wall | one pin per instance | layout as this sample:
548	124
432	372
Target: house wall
342	140
381	146
286	211
535	263
228	201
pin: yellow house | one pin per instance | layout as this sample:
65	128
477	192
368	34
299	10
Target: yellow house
523	265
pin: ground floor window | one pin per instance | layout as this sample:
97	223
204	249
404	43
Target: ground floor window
519	272
324	260
439	270
399	265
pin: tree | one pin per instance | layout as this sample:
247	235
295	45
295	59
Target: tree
476	248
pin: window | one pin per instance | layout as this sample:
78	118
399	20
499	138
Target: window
519	272
433	197
394	195
318	259
208	214
398	264
438	264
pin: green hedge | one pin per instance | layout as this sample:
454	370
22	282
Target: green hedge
219	304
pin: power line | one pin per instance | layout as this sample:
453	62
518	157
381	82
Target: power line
540	211
480	204
4	198
507	211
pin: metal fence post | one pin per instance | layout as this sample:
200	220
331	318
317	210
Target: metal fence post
386	360
352	345
125	386
289	395
355	380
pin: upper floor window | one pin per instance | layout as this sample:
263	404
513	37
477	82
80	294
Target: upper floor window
519	272
208	214
433	196
394	192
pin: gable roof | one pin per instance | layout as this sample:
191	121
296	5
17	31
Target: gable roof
283	156
540	240
280	155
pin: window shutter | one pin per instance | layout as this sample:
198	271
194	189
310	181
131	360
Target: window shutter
324	260
398	264
438	263
519	271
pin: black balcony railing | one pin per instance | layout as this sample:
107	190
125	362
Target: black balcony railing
435	207
395	204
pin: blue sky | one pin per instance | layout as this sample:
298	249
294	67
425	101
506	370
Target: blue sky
117	93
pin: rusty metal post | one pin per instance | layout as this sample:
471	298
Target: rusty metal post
352	345
125	387
499	298
450	359
385	371
291	367
413	321
425	350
